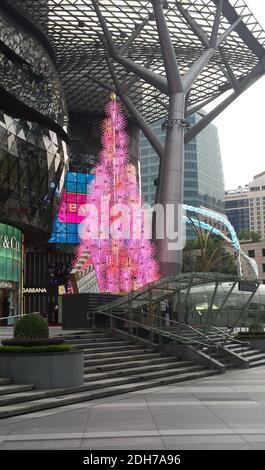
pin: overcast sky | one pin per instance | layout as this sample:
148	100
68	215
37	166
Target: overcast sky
242	127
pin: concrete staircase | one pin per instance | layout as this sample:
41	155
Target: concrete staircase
111	367
253	357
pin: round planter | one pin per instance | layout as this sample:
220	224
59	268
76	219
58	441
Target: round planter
44	370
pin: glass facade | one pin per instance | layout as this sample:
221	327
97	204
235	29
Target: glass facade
11	256
203	172
237	212
32	170
65	229
28	74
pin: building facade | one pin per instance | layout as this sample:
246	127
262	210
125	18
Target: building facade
203	171
245	207
33	149
256	251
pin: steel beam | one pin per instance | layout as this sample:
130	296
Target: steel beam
243	31
150	77
197	68
216	23
226	33
174	79
194	109
230	75
194	26
147	130
251	78
123	49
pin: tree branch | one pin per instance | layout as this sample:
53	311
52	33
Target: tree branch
170	62
140	121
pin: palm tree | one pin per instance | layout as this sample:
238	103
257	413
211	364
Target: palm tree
212	255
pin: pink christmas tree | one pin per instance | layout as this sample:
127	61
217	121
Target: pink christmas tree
113	231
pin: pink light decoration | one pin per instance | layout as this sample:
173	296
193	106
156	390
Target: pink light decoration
127	263
70	206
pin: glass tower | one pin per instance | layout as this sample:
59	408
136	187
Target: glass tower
203	171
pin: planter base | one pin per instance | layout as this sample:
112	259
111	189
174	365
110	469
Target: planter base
44	370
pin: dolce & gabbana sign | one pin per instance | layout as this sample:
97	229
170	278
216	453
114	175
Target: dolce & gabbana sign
9	243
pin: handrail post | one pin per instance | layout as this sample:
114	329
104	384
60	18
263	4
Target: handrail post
151	312
131	315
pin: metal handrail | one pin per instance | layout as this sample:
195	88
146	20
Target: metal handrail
230	336
161	332
20	315
185	326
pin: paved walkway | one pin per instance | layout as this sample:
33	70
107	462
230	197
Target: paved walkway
221	412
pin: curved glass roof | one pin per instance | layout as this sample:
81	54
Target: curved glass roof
78	41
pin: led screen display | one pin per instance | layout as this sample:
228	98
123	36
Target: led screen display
65	229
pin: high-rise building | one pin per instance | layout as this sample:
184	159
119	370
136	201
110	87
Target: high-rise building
245	207
203	171
237	208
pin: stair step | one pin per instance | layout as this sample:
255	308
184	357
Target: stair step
251	352
90	355
10	389
109	348
257	357
102	346
120	359
48	403
97	341
134	363
101	382
256	363
145	370
87	337
5	381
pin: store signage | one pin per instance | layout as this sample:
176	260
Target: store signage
6	285
10	243
35	290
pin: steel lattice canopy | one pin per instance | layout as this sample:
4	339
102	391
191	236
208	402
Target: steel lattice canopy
76	36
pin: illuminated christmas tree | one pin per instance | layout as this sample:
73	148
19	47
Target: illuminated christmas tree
113	231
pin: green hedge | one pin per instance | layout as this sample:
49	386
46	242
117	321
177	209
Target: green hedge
31	326
242	334
32	342
256	328
35	349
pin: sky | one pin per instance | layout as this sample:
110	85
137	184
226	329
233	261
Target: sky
241	127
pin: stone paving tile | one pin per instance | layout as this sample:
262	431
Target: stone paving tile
185	417
246	416
74	421
213	413
125	425
258	438
203	439
209	446
42	445
124	443
257	445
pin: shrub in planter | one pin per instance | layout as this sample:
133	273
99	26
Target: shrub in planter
31	334
31	326
36	349
32	342
256	328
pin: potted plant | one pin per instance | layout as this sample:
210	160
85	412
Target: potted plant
32	357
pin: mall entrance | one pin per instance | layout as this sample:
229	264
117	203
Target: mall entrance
9	305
